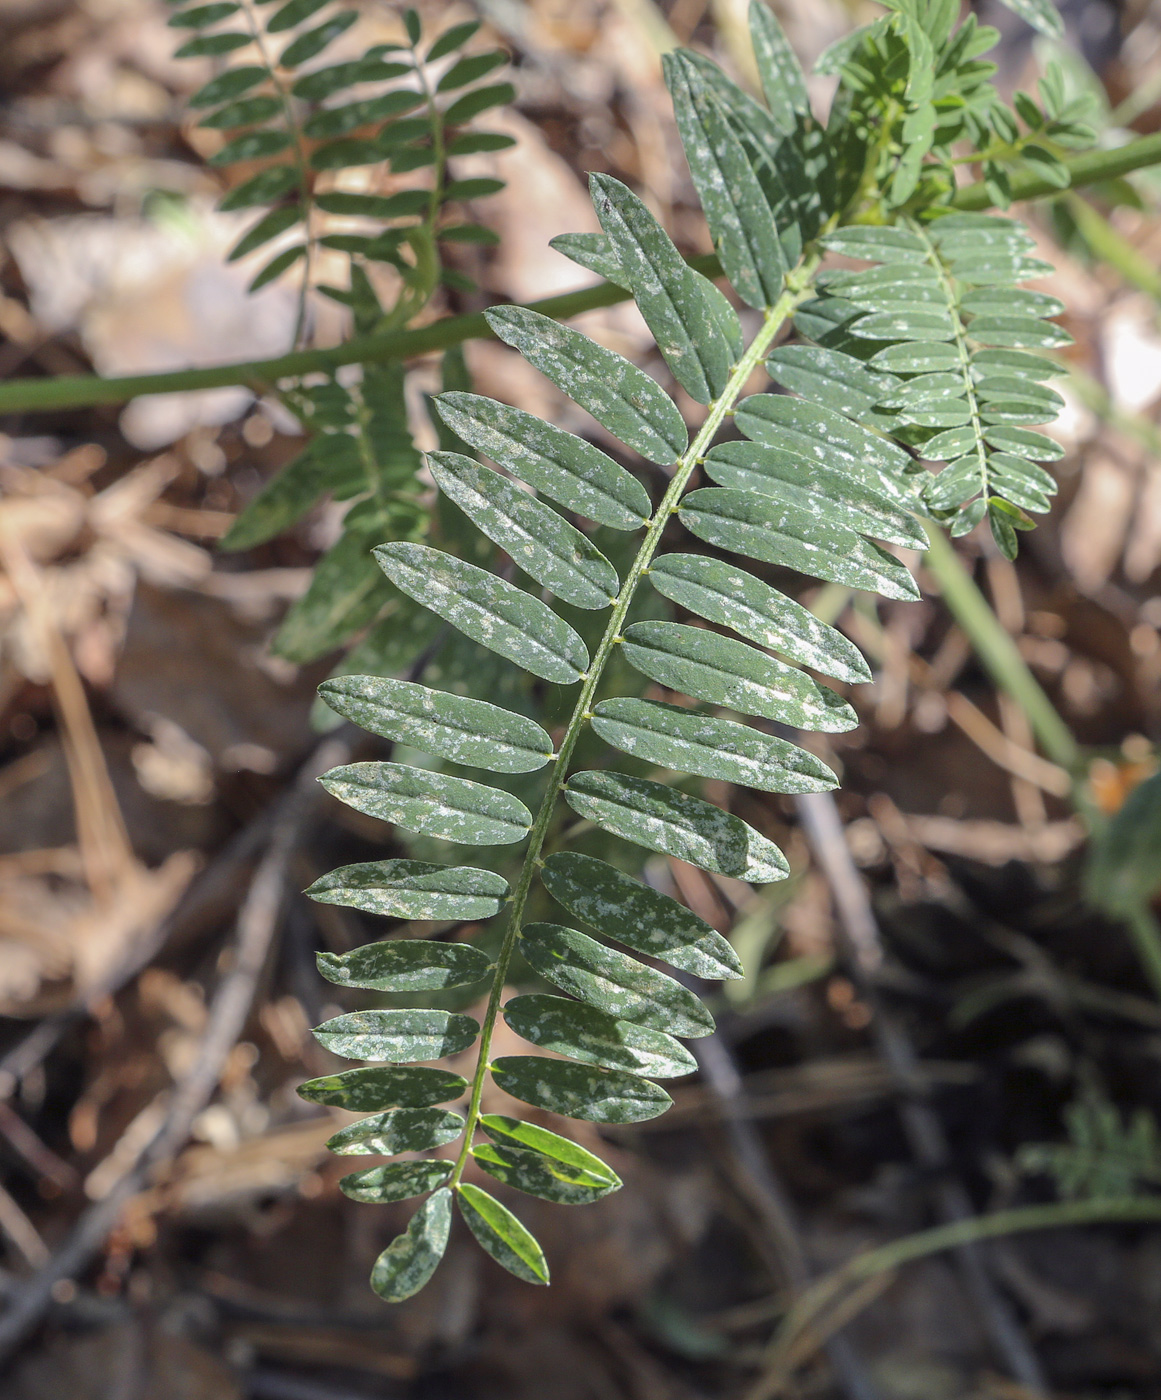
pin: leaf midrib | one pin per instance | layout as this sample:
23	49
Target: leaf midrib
797	288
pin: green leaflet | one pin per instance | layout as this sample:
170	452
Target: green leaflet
612	981
917	357
539	1175
582	1032
375	1088
1018	332
399	1037
1016	362
621	397
450	726
829	377
735	206
826	437
502	1235
413	889
397	1130
310	44
435	804
641	918
254	145
662	819
487	609
782	80
822	490
597	253
1002	301
1024	443
721	593
580	1091
512	1132
722	671
452	39
687	741
406	965
677	309
905	323
544	545
594	252
395	1182
886	244
566	468
780	533
411	1258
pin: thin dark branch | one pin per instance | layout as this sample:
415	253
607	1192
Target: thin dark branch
861	947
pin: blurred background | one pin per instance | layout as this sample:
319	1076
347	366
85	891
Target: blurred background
170	1223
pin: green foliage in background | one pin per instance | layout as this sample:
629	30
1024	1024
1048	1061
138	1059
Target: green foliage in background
399	109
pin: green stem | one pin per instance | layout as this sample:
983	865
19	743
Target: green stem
1088	169
1001	1223
1145	935
997	650
798	286
84	390
1113	248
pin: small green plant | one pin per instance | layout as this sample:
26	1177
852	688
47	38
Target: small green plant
925	354
1104	1159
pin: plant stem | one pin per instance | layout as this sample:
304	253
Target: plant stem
997	650
816	1300
1109	246
1088	169
85	390
798	287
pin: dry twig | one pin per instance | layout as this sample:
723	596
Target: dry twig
243	964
